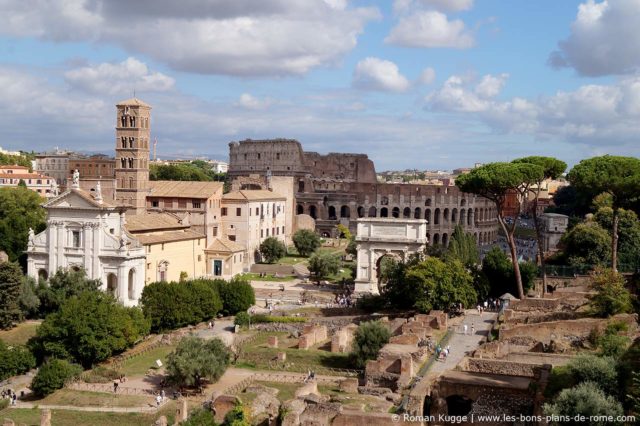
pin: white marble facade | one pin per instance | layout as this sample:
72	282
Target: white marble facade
83	231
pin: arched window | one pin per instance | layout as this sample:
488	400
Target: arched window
445	215
345	212
332	213
384	212
445	240
131	284
428	202
312	212
463	213
373	211
427	215
463	202
406	213
299	209
395	212
112	284
43	274
469	217
417	214
360	211
436	239
436	218
454	215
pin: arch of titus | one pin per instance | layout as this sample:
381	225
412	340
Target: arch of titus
377	237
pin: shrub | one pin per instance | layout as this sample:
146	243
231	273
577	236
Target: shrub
599	370
238	416
611	343
306	242
260	318
53	375
242	319
195	359
237	296
585	399
200	417
14	361
371	303
4	403
369	338
323	264
272	250
611	296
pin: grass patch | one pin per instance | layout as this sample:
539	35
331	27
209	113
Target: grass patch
139	365
95	399
19	334
286	391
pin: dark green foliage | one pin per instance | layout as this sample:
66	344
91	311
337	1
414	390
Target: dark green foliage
173	305
10	289
15	360
193	171
497	269
368	339
88	329
463	247
63	285
13	160
587	244
569	202
481	284
53	375
613	345
352	247
591	368
29	300
238	416
19	210
200	417
629	234
242	319
611	296
322	264
196	359
585	399
306	242
372	303
272	250
237	296
629	363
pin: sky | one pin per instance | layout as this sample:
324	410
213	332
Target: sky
415	84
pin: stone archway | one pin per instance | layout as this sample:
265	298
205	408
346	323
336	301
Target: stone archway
377	238
112	284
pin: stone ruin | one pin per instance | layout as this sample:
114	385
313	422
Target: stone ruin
312	335
343	338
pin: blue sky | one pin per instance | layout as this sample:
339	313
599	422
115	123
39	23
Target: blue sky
428	84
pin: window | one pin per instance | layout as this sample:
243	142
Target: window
267	232
195	203
215	231
232	237
262	233
112	231
283	229
224	211
75	238
238	211
257	211
277	156
258	156
182	204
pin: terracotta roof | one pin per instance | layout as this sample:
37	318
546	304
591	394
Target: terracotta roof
183	189
168	237
13	166
133	102
225	245
82	194
154	221
253	195
23	176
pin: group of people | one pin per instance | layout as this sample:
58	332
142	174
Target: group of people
465	329
160	396
10	395
344	300
442	354
310	376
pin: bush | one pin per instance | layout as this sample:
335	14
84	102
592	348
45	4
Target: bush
323	264
14	361
242	319
368	339
238	416
611	296
306	242
272	250
371	303
53	375
195	359
237	296
585	399
200	417
611	343
260	318
599	370
89	329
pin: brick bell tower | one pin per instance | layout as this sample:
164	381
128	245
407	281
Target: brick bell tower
133	119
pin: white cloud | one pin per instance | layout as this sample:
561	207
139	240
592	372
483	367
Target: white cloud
378	74
251	102
430	29
491	85
121	78
604	39
445	5
456	94
243	37
427	76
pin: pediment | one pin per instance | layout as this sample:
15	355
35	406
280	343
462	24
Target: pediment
73	200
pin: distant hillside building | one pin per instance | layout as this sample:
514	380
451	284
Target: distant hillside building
45	186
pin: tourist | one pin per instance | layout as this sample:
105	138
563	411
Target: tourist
465	328
115	386
162	394
158	400
210	324
14	399
438	350
473	329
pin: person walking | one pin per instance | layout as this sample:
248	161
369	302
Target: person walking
465	328
162	394
158	400
115	386
473	329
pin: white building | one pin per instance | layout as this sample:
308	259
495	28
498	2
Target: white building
84	231
219	166
45	186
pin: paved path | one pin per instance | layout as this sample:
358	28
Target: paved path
223	329
150	408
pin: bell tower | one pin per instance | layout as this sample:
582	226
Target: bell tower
133	119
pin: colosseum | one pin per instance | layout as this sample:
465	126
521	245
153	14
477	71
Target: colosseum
336	187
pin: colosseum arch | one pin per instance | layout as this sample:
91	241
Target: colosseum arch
332	213
395	212
360	211
436	217
345	212
463	213
313	212
427	215
373	212
417	214
299	209
384	212
406	213
445	240
454	215
445	215
436	239
376	238
470	217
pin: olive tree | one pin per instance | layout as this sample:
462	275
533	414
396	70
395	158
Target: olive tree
614	175
495	181
552	169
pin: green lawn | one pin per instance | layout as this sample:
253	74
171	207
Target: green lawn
31	417
139	365
286	391
19	334
95	399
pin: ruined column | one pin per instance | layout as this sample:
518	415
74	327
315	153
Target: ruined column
45	417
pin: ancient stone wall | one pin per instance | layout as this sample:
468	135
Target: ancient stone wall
342	340
312	335
539	358
494	366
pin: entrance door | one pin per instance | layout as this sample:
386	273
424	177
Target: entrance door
217	268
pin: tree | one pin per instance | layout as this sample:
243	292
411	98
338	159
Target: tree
498	271
323	264
352	247
53	375
29	301
585	399
586	244
10	289
628	234
195	359
368	339
611	296
242	319
598	370
272	249
463	247
343	232
552	169
237	296
617	176
89	328
64	284
19	210
306	242
495	181
15	360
